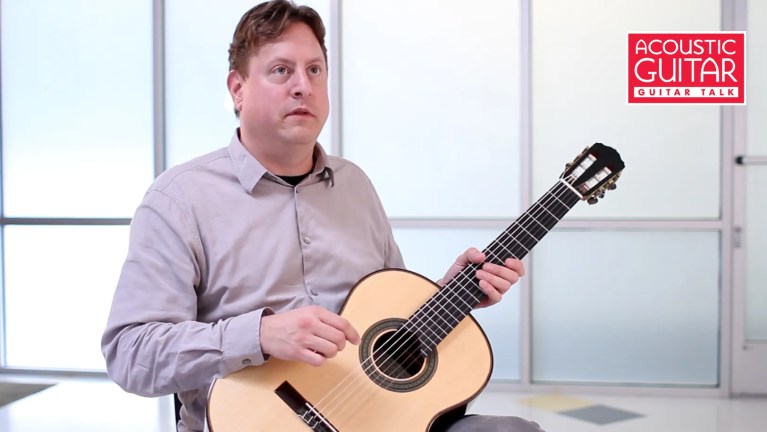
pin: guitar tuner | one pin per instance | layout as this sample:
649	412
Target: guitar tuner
593	172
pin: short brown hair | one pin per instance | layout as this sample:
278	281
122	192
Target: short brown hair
266	22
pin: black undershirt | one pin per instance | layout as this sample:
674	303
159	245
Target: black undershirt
294	180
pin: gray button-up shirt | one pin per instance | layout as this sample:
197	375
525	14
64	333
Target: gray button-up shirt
214	243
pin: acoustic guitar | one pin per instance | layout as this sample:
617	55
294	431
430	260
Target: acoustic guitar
422	353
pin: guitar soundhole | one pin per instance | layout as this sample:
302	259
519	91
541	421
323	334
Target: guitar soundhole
397	355
392	357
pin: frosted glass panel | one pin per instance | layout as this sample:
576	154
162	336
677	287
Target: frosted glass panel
430	252
756	244
200	114
59	283
756	175
579	77
431	104
627	308
76	107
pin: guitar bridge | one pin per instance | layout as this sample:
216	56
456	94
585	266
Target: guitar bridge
305	410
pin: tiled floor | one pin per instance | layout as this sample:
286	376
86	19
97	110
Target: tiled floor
602	413
90	405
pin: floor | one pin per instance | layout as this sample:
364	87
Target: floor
603	413
12	391
95	404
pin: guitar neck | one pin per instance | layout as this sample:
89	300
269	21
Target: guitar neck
438	316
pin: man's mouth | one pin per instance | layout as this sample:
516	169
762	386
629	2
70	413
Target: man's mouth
300	112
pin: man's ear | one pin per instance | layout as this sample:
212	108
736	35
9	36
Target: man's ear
235	82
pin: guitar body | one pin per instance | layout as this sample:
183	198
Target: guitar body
352	392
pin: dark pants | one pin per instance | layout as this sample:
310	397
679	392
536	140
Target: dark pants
485	423
458	421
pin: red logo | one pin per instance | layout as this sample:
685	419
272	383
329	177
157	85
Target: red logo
687	68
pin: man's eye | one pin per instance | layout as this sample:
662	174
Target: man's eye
315	70
280	70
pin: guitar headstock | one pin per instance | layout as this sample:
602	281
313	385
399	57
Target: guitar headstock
594	172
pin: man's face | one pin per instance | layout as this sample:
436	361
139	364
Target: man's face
284	99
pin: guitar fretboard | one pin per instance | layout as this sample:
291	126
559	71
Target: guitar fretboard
433	321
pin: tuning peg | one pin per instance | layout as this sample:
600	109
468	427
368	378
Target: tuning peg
611	186
601	194
592	200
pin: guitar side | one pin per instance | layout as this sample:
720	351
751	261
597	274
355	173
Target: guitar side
341	391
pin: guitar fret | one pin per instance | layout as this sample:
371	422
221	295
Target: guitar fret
440	325
563	204
540	224
528	233
499	260
531	220
449	310
444	306
557	217
449	304
526	242
520	249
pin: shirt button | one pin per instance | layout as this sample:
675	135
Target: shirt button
307	240
314	292
246	362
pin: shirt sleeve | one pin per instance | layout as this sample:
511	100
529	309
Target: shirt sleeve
152	343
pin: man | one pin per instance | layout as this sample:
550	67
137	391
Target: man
248	252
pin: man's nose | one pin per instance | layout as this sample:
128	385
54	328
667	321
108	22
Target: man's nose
301	85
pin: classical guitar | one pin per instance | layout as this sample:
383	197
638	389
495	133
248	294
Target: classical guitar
422	353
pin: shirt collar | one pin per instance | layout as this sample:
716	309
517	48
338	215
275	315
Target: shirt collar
249	170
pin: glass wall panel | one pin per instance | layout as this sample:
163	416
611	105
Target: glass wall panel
200	114
76	107
755	235
431	104
59	282
430	252
756	230
579	77
627	307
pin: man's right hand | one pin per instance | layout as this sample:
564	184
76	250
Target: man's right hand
310	334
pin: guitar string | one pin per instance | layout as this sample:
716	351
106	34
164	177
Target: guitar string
529	219
469	277
490	252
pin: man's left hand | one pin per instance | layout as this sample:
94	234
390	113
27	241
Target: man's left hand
494	279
